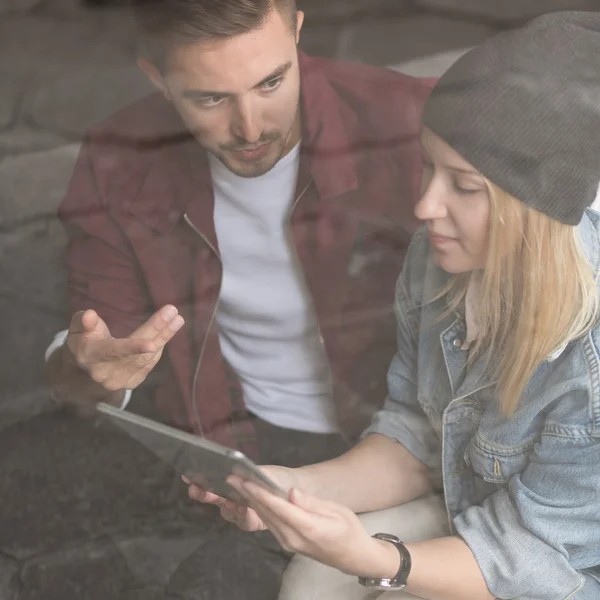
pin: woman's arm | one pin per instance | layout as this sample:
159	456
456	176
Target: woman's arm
442	569
376	463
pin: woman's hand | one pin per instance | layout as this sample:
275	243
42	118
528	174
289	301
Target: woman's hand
324	531
242	516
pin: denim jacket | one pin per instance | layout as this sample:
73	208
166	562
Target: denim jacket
523	492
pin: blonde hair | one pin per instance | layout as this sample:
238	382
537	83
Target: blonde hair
538	293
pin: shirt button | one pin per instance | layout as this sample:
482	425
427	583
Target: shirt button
457	343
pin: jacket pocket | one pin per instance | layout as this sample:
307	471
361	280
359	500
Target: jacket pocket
493	465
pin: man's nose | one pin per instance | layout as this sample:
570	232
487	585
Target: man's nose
247	122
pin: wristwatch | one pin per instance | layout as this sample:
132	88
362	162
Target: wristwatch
399	581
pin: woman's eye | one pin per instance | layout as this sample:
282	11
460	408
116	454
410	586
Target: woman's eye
465	190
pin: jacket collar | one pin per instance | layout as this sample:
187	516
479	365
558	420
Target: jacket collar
327	149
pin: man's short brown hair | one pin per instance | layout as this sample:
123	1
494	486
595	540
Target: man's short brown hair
162	23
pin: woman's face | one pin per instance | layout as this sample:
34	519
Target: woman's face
455	206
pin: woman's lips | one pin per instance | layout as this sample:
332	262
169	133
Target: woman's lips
440	241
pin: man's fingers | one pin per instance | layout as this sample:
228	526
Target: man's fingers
169	331
84	321
166	318
114	350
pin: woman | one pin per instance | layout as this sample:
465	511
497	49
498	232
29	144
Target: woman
494	393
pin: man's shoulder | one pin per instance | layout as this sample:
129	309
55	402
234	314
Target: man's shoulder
121	149
384	96
134	133
142	121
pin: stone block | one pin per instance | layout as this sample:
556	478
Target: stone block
508	10
317	10
9	98
152	592
33	283
434	65
232	565
392	41
58	43
24	139
155	554
69	102
9	578
7	6
32	186
65	481
94	571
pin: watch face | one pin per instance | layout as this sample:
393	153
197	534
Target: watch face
381	585
387	588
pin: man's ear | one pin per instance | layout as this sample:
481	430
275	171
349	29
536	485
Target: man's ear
299	22
154	76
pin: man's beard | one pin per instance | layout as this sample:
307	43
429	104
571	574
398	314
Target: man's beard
243	167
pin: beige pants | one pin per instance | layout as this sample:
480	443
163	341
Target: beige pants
306	579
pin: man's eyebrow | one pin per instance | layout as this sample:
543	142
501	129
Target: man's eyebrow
200	94
278	72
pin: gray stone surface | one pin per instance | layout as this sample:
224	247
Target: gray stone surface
316	10
155	555
26	139
508	9
9	578
71	101
76	572
11	87
393	40
32	285
254	564
66	481
434	65
32	185
152	592
7	6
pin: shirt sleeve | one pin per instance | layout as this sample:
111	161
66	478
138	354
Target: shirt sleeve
531	539
103	272
58	342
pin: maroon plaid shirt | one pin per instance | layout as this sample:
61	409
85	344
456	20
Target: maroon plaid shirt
139	216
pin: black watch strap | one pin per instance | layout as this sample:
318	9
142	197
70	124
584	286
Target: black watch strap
399	581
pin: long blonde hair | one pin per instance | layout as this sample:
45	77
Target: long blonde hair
538	293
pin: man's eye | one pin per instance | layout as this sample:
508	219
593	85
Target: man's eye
209	101
272	84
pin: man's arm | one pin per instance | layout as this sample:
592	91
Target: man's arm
113	340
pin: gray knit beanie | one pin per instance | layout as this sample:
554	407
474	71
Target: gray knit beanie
524	109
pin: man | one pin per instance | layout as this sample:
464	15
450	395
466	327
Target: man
238	235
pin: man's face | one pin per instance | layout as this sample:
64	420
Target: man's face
240	96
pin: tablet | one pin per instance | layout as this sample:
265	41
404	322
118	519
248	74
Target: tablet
205	463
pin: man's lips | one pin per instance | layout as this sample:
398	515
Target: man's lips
252	152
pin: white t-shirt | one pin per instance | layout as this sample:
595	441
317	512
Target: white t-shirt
267	325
